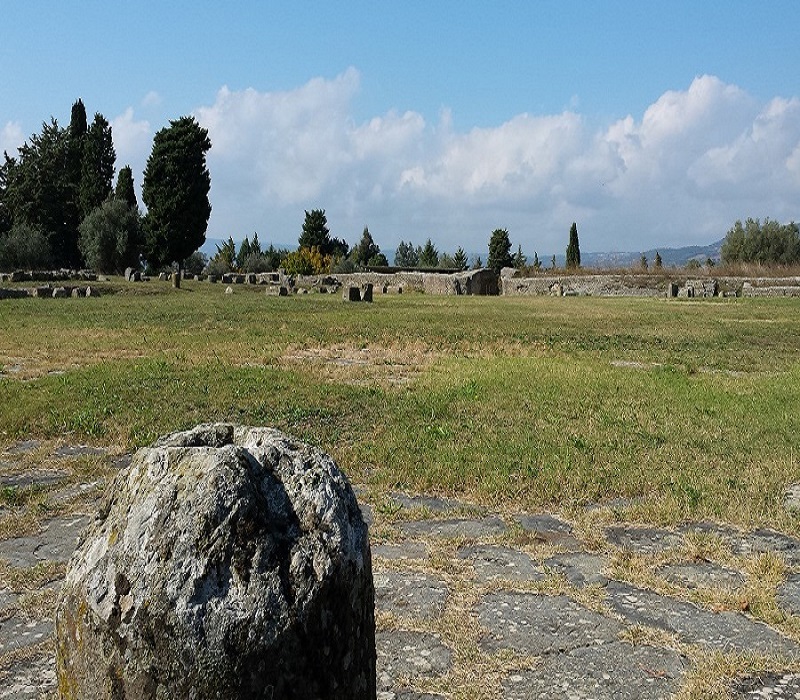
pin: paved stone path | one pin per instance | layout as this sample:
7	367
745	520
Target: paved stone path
469	603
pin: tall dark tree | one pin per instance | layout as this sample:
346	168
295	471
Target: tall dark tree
97	165
573	248
315	234
244	252
519	260
255	245
499	250
78	124
315	231
366	249
6	219
124	189
460	259
428	255
406	255
39	193
76	144
175	191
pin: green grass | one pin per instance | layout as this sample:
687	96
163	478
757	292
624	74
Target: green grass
688	408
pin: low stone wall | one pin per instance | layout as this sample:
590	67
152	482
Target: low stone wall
584	285
748	290
470	282
47	276
644	285
48	292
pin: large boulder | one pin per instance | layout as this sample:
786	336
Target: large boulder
227	562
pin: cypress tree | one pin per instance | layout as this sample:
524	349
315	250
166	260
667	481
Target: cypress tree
124	189
573	248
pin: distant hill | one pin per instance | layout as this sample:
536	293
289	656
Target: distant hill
670	257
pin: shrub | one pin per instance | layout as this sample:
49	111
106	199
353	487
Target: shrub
111	237
195	263
24	247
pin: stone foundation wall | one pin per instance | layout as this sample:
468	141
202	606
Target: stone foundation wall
645	285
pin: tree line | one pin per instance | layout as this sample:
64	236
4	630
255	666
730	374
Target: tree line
59	206
763	243
320	253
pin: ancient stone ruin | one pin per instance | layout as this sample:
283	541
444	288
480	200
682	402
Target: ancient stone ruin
227	562
362	293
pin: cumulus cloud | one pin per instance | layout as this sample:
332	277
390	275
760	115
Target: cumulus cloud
680	173
133	139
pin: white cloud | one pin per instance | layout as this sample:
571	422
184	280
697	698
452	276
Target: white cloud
11	138
151	99
133	140
695	161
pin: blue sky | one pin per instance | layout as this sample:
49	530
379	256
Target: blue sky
647	123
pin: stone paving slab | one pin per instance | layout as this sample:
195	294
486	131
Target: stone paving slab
469	528
726	631
581	654
706	574
32	477
535	624
613	671
29	679
580	568
549	530
18	631
768	685
788	594
7	598
642	540
492	562
431	503
23	447
410	549
79	451
403	653
409	593
56	542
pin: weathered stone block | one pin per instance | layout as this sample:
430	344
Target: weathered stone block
366	293
351	294
227	562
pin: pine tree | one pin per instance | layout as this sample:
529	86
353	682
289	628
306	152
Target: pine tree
520	260
428	255
245	250
657	261
124	189
573	248
460	259
405	255
366	249
255	245
499	250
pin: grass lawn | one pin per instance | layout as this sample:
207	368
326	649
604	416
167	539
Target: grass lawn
680	408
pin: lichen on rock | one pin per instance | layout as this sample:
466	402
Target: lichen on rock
226	562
